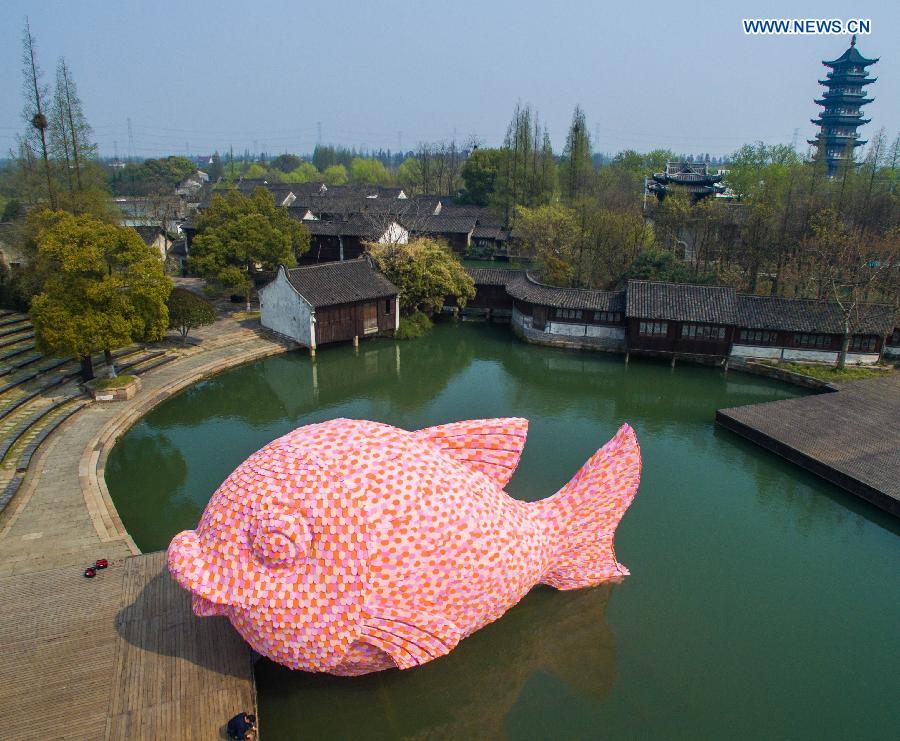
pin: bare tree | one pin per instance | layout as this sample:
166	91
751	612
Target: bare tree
35	97
852	270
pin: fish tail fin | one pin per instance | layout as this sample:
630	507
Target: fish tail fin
581	519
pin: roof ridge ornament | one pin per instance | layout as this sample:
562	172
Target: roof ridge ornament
853	40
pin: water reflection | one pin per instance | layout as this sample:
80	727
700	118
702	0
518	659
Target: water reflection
466	694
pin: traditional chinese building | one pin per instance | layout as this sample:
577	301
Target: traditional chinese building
843	98
693	177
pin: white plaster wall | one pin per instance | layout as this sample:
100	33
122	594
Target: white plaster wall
812	356
397	313
519	319
283	310
616	333
808	356
753	351
395	234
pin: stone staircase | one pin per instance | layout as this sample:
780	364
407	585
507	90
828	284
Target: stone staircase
38	393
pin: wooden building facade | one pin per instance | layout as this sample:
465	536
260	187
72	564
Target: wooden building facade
332	302
703	323
680	319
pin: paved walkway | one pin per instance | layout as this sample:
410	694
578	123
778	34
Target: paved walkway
850	437
60	521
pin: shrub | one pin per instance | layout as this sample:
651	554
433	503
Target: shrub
415	325
188	310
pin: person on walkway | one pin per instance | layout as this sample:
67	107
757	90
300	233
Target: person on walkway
242	726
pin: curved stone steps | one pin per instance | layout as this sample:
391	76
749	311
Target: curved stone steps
31	445
13	367
9	321
9	342
25	425
17	352
25	327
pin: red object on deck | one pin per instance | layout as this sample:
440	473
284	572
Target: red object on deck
90	572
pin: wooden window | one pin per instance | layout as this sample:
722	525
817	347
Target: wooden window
703	332
608	317
387	306
758	337
653	329
895	338
812	341
863	343
567	313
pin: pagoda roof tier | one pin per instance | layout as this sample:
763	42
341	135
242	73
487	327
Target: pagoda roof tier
686	178
833	115
840	81
840	121
844	100
831	139
851	56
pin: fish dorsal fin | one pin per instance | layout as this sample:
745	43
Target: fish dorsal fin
491	446
409	636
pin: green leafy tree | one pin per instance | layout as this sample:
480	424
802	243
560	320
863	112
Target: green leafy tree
577	166
216	170
286	162
426	272
369	171
187	310
335	175
480	175
409	175
104	288
659	265
238	236
551	235
303	173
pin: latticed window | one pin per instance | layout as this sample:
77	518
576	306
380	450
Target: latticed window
815	341
758	337
568	313
610	317
706	332
863	343
653	329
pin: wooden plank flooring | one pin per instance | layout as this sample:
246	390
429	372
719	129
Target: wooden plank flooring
120	656
850	437
175	675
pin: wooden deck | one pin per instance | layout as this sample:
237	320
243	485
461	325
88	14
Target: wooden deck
120	656
850	437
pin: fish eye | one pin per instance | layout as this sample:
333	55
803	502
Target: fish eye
280	540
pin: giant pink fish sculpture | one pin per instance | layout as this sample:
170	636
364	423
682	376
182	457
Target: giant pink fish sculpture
351	546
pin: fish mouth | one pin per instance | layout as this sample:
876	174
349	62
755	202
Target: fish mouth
199	573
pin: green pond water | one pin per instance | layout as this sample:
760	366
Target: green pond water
763	602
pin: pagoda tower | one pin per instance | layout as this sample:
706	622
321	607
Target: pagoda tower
843	98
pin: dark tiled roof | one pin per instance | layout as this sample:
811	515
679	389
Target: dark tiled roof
485	216
809	315
525	288
492	276
489	232
681	302
442	224
332	283
148	233
319	228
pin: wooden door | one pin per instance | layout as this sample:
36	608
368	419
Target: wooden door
370	318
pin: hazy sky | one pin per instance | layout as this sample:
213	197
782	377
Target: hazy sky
261	75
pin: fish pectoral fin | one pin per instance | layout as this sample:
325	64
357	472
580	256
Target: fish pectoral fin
491	446
410	639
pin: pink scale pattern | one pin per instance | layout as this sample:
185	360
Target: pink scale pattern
352	546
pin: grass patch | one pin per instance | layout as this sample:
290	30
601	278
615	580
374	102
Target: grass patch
111	383
413	326
829	373
242	315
